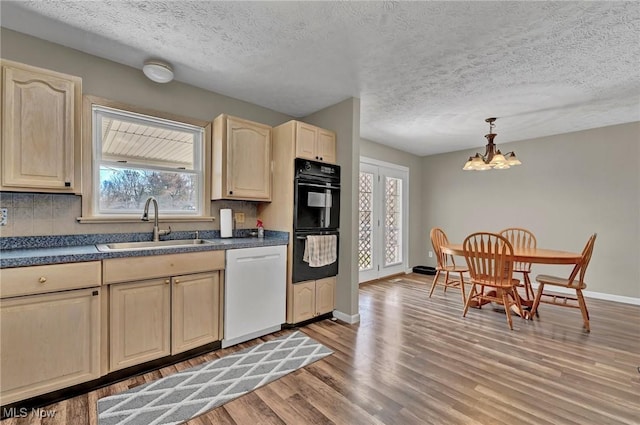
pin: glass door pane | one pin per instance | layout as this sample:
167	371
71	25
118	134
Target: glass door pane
392	221
365	222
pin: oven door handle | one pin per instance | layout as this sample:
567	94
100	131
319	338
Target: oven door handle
301	238
319	186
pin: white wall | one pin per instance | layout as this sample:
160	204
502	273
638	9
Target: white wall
569	186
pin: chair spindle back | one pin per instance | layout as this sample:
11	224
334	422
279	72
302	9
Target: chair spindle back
520	239
489	258
438	239
581	267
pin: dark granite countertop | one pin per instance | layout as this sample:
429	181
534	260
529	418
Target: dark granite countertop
33	251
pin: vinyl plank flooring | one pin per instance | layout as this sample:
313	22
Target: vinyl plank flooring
415	360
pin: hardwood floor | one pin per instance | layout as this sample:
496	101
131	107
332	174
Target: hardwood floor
415	360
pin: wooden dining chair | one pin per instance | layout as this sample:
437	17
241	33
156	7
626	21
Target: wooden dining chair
574	281
490	260
446	264
521	239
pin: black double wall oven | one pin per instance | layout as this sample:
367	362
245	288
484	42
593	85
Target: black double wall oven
316	211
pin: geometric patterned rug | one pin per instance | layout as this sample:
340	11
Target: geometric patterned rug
191	392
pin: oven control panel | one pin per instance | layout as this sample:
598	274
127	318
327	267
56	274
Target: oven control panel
305	168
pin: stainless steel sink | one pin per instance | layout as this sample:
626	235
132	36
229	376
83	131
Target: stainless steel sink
131	246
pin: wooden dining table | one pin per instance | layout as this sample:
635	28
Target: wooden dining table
526	255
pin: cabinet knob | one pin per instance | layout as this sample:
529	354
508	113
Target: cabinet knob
167	281
42	279
321	159
177	281
317	157
231	192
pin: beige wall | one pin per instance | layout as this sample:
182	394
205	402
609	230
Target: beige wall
344	119
380	152
569	186
55	214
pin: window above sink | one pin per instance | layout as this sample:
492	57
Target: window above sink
136	153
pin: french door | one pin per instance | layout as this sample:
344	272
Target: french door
383	214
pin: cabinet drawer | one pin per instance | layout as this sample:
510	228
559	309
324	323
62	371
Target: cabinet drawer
138	268
49	278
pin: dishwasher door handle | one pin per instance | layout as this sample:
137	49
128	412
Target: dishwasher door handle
258	258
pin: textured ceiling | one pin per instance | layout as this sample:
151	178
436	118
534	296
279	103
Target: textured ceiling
427	73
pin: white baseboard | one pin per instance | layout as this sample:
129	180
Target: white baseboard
348	318
591	294
409	270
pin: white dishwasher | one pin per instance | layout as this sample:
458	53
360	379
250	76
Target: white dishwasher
254	293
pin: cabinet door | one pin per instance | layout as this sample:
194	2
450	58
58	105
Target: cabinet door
306	138
326	146
48	342
248	160
39	129
304	295
325	295
196	306
139	322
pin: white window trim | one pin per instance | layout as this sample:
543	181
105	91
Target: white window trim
90	169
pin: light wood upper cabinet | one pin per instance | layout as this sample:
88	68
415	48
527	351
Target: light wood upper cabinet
139	322
327	146
196	305
306	137
241	159
315	143
49	342
41	114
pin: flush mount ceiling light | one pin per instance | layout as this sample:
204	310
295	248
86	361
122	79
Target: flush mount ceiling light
158	71
492	158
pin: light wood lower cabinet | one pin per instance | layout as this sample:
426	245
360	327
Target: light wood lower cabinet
49	342
325	295
304	296
313	298
139	322
162	315
195	313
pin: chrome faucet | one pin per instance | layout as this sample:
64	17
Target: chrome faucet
145	217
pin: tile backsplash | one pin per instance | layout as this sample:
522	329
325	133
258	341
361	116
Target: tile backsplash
38	214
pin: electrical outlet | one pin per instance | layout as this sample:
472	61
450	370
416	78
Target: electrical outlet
430	254
239	217
3	216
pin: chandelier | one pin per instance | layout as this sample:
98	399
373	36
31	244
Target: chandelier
492	157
